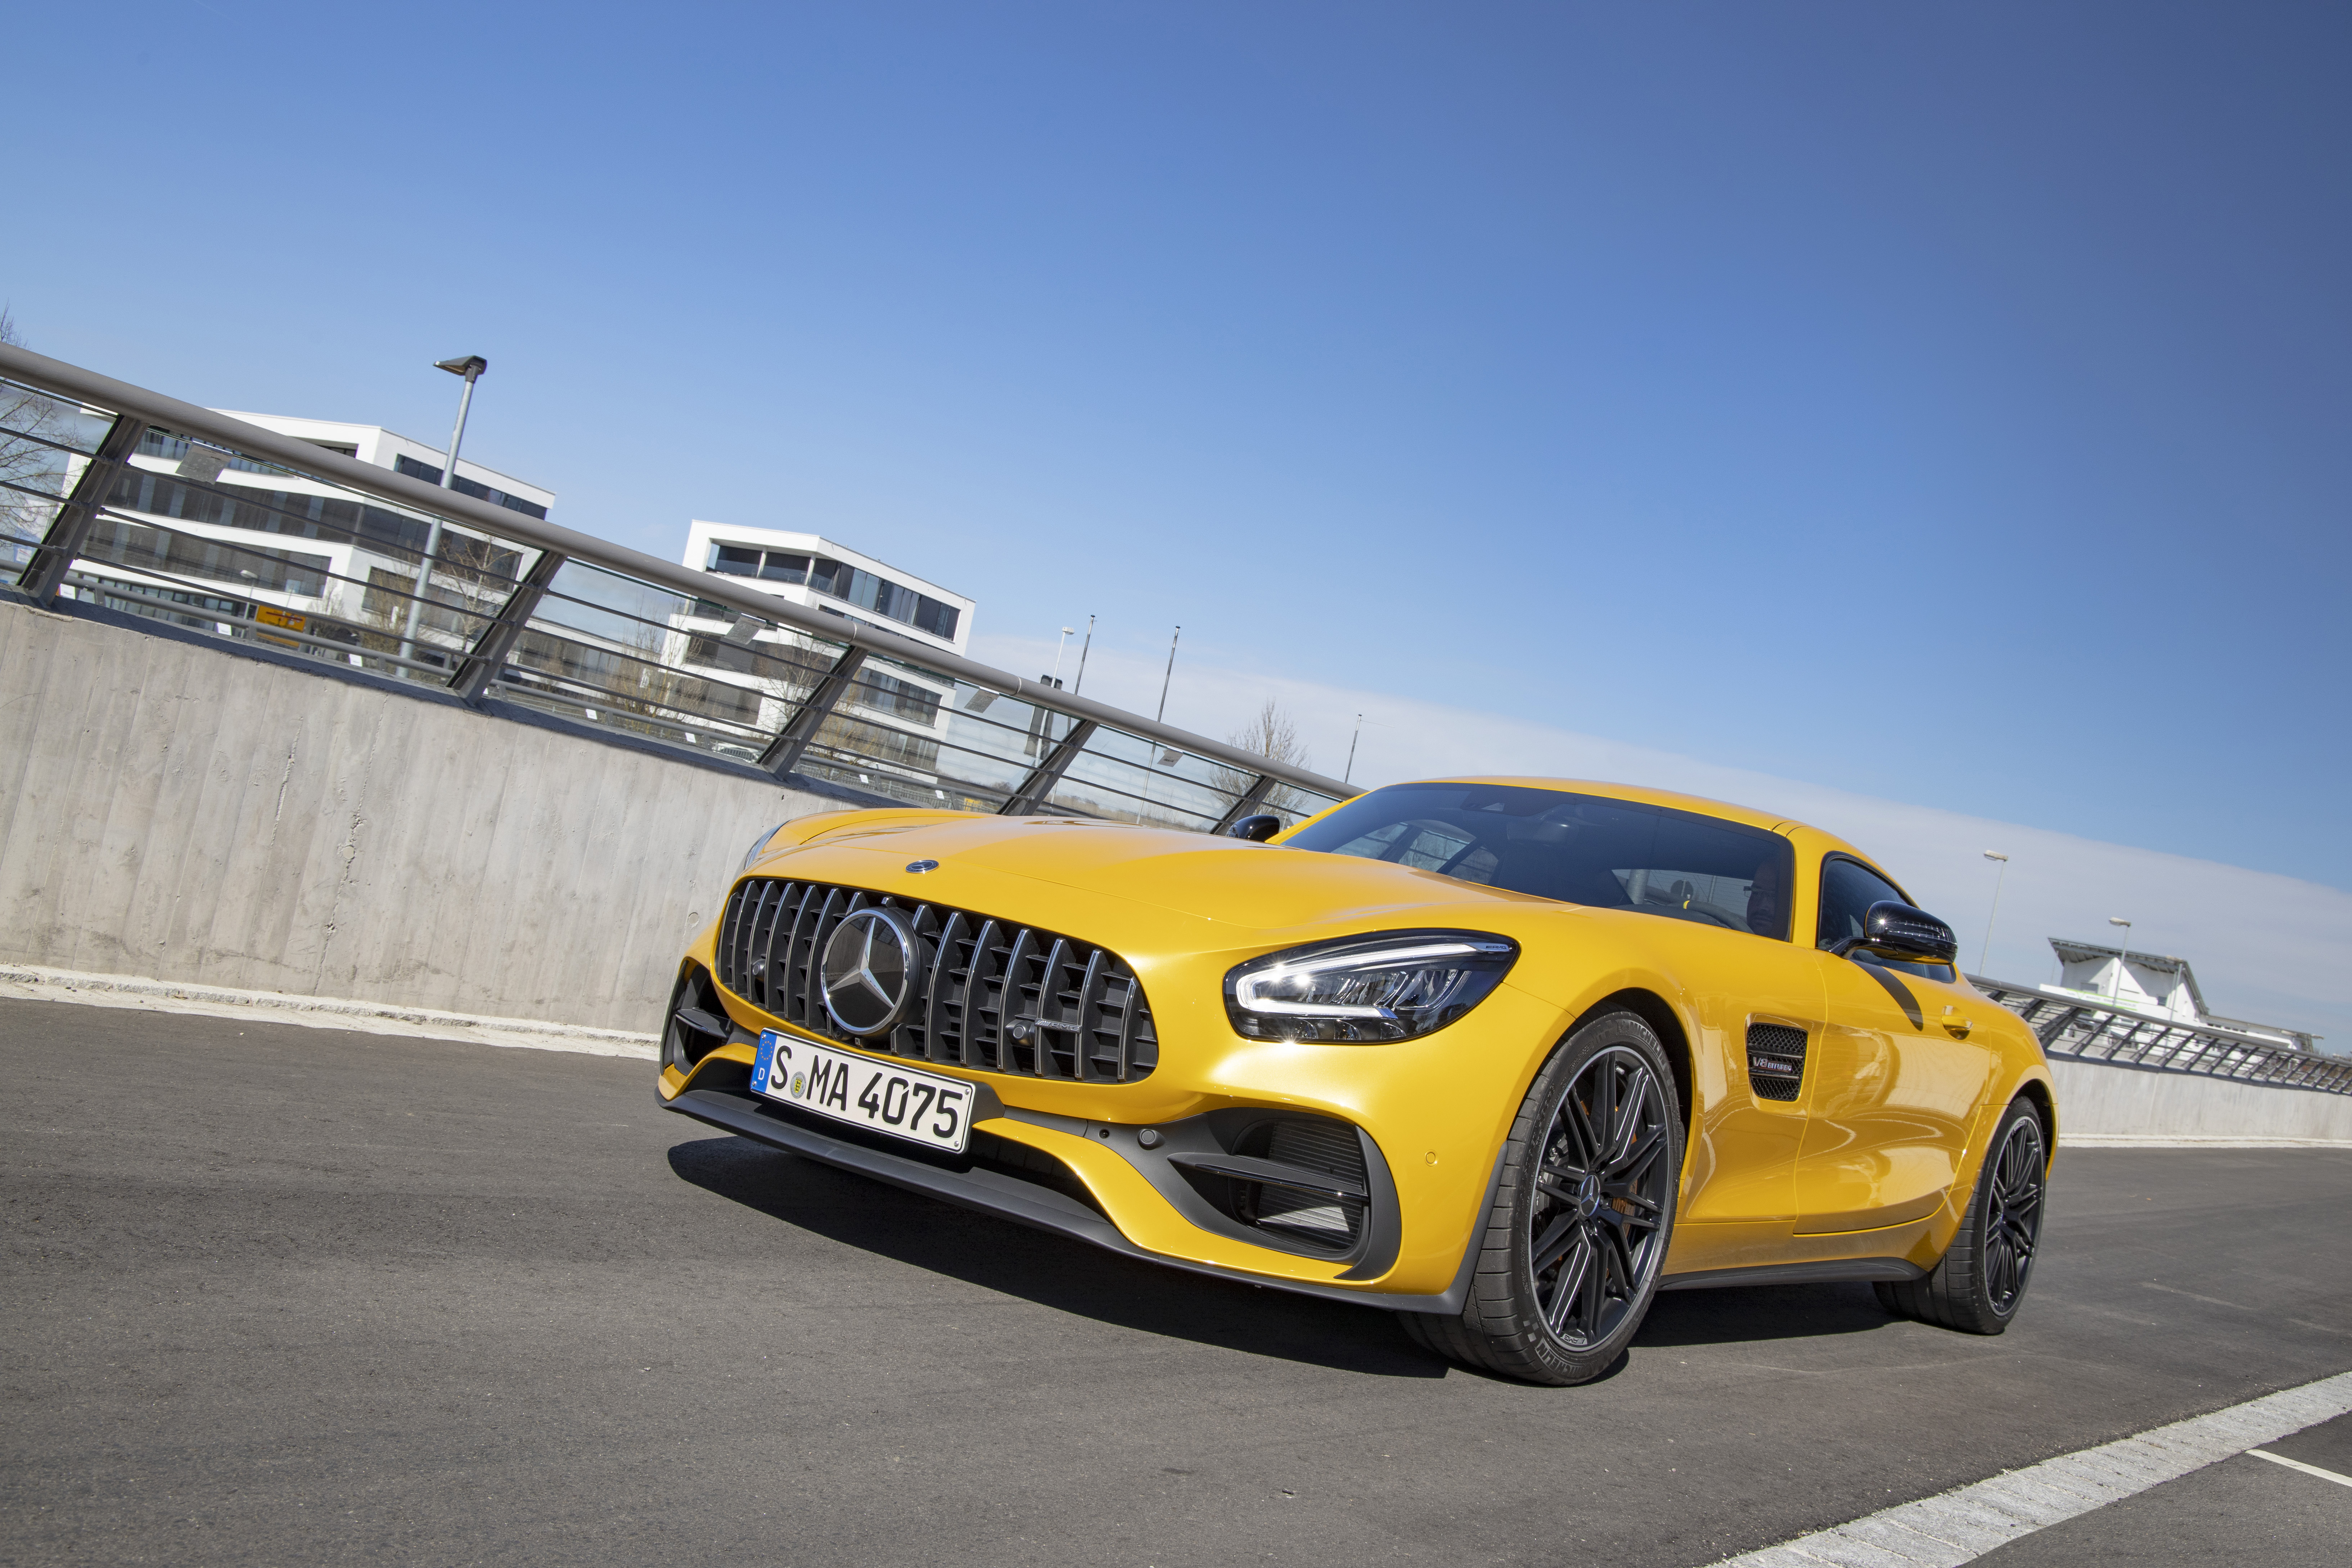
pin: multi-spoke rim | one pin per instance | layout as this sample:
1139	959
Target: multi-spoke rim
2012	1218
1598	1223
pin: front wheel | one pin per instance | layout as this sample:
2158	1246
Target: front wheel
1578	1233
1980	1282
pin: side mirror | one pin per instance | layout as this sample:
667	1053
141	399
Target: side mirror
1257	829
1899	931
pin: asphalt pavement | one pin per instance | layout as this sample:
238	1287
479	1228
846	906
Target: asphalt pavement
280	1295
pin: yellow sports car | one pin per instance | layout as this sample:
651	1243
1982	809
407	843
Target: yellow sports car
1505	1055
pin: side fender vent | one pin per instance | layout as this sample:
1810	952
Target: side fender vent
1776	1060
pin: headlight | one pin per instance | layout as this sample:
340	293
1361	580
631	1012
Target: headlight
757	845
1393	985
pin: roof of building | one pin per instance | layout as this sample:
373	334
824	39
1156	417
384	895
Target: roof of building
2162	962
2165	963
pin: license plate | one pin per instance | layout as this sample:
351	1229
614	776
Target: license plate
920	1107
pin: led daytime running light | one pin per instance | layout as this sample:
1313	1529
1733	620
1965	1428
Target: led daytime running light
1365	989
1247	989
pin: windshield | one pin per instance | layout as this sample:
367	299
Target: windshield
1578	848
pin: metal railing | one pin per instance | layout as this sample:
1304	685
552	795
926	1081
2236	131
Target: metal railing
2089	1031
115	496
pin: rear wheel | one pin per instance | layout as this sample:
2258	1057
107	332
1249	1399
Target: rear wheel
1578	1233
1980	1282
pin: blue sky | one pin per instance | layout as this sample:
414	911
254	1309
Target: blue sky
1942	404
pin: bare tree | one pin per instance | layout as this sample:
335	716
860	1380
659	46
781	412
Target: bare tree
1273	735
27	464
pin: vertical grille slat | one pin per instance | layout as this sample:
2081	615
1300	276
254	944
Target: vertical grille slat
992	997
936	986
795	996
976	977
1082	1039
1049	1012
780	930
1008	1005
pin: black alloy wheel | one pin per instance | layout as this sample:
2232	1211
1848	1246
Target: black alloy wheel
1980	1281
1579	1231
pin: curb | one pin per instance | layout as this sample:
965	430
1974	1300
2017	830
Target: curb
32	981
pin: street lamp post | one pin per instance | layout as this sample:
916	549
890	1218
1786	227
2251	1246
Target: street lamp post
2123	956
1169	677
1999	878
1350	772
1056	677
471	367
1079	681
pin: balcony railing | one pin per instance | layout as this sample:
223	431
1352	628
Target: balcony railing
114	496
2087	1031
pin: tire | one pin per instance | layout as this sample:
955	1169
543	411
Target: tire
1980	1282
1564	1221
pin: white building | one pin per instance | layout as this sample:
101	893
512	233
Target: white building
283	548
811	570
886	732
2154	986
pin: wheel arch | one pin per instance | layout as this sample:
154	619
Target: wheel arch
1666	1024
2036	1093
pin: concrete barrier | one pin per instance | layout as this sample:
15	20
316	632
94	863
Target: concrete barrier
174	811
2103	1100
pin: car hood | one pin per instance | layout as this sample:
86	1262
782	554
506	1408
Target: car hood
1253	886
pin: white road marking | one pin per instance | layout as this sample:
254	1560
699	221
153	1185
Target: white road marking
1960	1525
2299	1465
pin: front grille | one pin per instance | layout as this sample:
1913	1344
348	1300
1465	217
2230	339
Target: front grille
993	995
1776	1060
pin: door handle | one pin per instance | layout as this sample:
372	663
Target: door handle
1955	1022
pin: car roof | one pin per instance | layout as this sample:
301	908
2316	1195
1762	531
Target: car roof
1822	840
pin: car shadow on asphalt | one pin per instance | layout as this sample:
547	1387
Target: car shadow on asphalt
1745	1314
1071	1277
1051	1270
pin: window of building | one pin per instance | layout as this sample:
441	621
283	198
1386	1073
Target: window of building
304	515
888	694
169	552
841	581
404	464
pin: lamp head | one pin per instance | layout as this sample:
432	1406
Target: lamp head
469	367
1996	855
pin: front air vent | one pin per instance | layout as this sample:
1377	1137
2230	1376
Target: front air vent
1297	1180
1776	1060
993	995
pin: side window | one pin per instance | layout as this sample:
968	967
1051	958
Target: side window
1848	890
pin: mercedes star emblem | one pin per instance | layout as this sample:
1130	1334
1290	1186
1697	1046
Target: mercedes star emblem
871	971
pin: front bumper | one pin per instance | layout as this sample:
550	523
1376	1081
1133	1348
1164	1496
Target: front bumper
1046	1205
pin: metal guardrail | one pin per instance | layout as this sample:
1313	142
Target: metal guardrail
2087	1031
117	496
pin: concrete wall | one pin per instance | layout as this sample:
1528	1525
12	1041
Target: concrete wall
2095	1097
177	812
